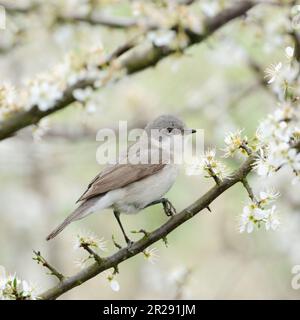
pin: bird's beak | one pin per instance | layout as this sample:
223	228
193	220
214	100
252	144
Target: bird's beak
189	131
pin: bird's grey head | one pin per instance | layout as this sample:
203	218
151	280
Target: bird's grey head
168	125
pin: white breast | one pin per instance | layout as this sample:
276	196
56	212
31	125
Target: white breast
138	194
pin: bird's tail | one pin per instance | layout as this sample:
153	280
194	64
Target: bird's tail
83	210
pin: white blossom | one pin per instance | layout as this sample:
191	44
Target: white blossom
44	94
162	38
295	9
212	166
273	72
272	221
8	94
275	135
210	8
266	166
234	141
9	101
256	214
114	284
91	240
289	52
207	164
268	196
247	221
82	95
12	288
151	255
293	158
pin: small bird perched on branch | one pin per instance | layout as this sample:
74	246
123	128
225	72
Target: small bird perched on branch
128	187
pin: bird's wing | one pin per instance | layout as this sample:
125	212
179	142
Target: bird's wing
118	176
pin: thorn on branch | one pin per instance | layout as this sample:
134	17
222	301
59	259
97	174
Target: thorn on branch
116	270
165	240
41	260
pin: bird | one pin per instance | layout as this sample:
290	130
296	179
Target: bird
131	186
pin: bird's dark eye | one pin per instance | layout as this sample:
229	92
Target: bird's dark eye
169	129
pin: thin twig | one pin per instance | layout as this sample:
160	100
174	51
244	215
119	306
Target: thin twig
244	146
41	260
249	190
214	176
144	232
93	254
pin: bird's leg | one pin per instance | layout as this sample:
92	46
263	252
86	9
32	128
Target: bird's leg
167	205
153	203
117	215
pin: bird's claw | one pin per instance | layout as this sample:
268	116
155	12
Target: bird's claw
169	208
129	243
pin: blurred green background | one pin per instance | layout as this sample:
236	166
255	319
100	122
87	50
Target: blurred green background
212	86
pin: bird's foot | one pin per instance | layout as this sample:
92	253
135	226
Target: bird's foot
129	244
168	208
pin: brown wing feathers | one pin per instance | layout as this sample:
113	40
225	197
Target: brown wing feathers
111	178
119	176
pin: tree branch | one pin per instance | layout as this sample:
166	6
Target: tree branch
115	22
132	61
158	234
92	253
249	190
41	260
92	19
107	21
